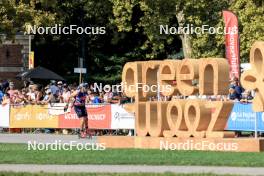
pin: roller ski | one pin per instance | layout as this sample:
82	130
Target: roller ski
85	134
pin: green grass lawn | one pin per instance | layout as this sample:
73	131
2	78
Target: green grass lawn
18	153
99	174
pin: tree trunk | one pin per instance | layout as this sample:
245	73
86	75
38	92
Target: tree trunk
186	45
185	38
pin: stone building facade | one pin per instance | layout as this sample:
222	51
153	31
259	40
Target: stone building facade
13	56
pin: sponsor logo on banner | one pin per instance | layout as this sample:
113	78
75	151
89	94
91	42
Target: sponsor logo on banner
4	117
243	116
233	116
99	117
56	108
32	116
22	116
69	120
121	119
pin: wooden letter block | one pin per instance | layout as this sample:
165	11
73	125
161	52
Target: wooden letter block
155	114
197	118
186	73
167	74
131	76
221	111
141	119
175	119
149	78
253	79
213	76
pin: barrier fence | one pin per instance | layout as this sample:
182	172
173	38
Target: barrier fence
109	116
243	118
53	116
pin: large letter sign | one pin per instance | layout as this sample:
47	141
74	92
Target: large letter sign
181	118
188	117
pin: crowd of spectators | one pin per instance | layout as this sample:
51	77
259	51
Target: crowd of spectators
59	92
55	92
236	93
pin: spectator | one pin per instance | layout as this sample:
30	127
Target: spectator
124	99
115	98
60	87
38	94
1	85
20	98
96	98
54	89
12	91
6	99
107	97
49	98
1	95
236	89
101	97
66	93
5	85
46	95
233	95
31	96
247	96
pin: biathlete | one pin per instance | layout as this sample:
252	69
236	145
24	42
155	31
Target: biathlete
80	96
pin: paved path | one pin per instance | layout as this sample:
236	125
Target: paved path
41	138
129	169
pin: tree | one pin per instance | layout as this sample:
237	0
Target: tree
251	24
16	15
177	13
132	31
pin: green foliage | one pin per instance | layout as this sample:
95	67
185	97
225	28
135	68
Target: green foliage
204	13
122	11
15	15
132	31
251	24
145	17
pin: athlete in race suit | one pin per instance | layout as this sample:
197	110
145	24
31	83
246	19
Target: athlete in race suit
80	96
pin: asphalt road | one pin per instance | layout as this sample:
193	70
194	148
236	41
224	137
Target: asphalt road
129	169
42	138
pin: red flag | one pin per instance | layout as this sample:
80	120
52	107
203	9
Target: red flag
232	43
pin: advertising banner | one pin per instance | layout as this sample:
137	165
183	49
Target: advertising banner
53	116
232	43
32	116
121	119
99	117
31	60
242	118
4	115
